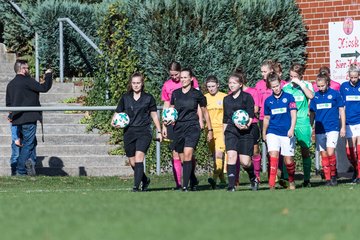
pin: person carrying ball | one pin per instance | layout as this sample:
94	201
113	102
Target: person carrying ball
239	142
141	108
187	127
168	130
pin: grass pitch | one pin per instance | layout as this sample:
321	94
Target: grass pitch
104	208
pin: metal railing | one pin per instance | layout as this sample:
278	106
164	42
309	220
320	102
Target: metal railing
80	108
61	39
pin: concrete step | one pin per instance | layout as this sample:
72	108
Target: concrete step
49	97
90	165
7	71
65	150
65	139
4	80
122	171
52	118
56	87
52	129
74	161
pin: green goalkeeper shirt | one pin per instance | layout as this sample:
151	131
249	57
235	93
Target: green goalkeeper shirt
302	102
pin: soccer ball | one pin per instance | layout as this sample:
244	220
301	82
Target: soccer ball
121	120
240	117
169	114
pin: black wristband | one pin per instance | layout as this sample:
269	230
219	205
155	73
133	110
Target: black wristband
210	130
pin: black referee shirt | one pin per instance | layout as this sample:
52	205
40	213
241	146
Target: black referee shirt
244	101
138	110
187	104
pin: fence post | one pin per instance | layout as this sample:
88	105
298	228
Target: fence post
61	51
263	157
158	152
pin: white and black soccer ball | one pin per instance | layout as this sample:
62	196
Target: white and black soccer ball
121	120
169	114
240	117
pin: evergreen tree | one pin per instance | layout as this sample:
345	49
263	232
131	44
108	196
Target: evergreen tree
213	37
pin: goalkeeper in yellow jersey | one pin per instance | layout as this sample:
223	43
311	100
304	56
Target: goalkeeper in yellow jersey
217	146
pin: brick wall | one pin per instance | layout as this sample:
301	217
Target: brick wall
316	15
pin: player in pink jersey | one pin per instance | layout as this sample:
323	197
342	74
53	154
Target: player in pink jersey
333	85
266	67
168	132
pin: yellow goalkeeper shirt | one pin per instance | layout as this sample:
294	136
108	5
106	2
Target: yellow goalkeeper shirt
215	108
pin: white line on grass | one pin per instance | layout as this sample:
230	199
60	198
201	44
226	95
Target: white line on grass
66	190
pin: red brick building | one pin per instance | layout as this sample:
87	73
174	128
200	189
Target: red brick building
317	14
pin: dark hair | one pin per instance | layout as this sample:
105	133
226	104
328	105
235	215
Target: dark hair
18	64
277	68
273	76
323	76
324	70
240	72
135	74
240	78
298	68
175	66
190	73
212	78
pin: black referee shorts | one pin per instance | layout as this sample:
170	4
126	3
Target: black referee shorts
171	136
186	134
137	139
240	141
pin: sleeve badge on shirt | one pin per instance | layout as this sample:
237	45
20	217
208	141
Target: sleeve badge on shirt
292	105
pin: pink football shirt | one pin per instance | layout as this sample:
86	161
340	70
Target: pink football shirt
333	85
255	95
170	85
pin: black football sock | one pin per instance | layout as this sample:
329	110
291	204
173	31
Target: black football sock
138	174
187	167
231	171
250	171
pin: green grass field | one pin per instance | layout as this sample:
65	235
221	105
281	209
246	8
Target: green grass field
104	208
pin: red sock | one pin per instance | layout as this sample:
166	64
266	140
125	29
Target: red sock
274	161
326	168
350	153
358	160
332	163
291	171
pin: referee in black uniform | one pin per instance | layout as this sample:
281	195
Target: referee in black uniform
239	142
140	107
187	128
